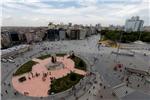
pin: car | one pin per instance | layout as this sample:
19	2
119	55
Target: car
11	61
11	58
3	60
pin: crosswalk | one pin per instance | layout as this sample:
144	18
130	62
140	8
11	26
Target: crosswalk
122	90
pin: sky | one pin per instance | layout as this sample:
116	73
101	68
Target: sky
86	12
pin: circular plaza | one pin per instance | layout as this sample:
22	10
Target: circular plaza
92	75
48	74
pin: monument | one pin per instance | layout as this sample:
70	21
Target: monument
53	60
71	54
54	64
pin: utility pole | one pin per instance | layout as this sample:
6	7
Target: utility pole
118	48
140	35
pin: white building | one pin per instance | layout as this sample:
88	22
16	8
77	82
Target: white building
51	25
134	24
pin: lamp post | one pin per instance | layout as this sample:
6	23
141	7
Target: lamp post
118	48
140	35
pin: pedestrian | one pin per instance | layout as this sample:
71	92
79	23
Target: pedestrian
126	92
41	97
9	84
93	87
15	93
100	84
36	74
6	91
104	87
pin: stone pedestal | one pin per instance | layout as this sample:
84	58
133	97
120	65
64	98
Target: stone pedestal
54	66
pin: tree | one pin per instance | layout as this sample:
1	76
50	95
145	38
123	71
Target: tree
73	77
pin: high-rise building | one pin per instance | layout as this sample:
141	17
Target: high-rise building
134	24
98	27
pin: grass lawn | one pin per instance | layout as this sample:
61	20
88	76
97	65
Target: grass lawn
27	67
44	56
64	83
79	63
60	54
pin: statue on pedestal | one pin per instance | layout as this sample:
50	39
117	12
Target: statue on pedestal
54	60
54	63
71	54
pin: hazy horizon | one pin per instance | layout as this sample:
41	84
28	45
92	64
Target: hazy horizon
36	13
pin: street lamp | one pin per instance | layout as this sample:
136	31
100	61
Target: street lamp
140	35
118	47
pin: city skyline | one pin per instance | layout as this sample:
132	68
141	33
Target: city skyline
41	12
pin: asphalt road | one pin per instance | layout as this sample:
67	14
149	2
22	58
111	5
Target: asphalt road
88	49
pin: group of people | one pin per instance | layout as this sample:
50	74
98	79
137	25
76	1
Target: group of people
44	75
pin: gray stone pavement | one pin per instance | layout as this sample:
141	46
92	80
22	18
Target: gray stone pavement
87	49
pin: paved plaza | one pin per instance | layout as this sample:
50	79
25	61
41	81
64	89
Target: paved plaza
100	85
37	86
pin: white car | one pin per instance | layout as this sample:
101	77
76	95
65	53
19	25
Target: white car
11	58
11	61
3	60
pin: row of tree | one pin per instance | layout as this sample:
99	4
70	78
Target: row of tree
126	36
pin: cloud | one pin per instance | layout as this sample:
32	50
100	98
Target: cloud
40	12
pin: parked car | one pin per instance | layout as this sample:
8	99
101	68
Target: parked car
12	61
3	60
11	58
